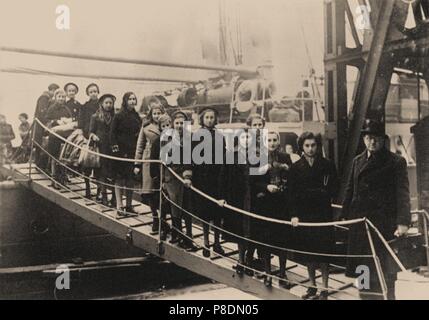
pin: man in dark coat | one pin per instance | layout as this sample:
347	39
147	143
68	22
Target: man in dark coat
378	190
43	104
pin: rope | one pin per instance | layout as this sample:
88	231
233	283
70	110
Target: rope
223	203
85	176
258	242
389	249
77	194
296	283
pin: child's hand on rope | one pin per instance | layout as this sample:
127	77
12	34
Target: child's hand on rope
272	188
115	148
295	222
187	183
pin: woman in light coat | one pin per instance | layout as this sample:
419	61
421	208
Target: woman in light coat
149	133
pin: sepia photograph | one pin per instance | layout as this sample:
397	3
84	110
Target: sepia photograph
220	151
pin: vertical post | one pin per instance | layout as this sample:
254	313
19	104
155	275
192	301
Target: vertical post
161	222
419	105
377	263
30	160
425	230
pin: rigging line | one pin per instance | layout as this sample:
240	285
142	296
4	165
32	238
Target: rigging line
223	203
95	76
258	242
244	70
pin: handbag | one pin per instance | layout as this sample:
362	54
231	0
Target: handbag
410	250
90	160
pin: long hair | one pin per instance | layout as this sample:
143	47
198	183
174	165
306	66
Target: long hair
125	98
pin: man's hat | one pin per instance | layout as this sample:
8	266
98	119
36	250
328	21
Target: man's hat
71	84
373	127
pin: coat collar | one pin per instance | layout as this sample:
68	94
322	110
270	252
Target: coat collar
377	160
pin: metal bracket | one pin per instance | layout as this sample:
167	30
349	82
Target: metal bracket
129	237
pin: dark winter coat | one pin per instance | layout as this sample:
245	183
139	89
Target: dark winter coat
74	107
235	190
312	190
86	111
100	125
271	205
123	133
377	189
206	177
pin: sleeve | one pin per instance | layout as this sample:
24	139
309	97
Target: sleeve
12	134
402	194
155	155
141	143
114	131
292	192
334	183
81	117
93	125
42	104
51	114
348	195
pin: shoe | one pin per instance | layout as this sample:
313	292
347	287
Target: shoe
311	294
268	281
218	249
323	295
190	247
239	269
131	210
206	253
175	240
285	284
249	272
155	227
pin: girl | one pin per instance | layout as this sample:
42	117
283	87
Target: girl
123	137
313	185
270	201
99	129
57	115
84	118
206	178
236	191
149	133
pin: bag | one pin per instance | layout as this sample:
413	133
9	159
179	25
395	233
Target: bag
87	159
410	251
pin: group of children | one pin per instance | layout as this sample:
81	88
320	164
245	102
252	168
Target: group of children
289	190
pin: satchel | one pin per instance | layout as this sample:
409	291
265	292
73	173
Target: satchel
410	250
90	160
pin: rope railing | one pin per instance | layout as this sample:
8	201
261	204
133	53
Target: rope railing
80	174
221	203
258	242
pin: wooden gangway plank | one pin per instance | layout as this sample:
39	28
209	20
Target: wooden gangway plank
137	231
